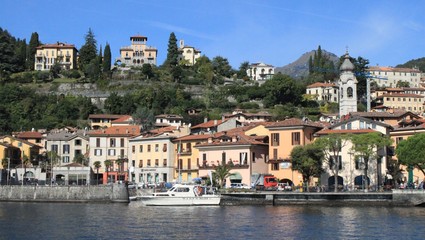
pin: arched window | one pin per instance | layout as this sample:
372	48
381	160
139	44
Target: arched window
350	92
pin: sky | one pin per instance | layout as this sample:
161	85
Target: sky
276	32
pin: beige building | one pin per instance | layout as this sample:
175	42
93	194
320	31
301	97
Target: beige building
327	92
67	145
61	53
389	76
138	53
188	53
404	101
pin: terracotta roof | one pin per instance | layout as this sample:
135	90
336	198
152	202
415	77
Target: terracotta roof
392	69
292	122
234	139
320	84
211	123
194	137
123	119
401	95
56	45
117	130
103	116
163	130
395	114
345	131
29	135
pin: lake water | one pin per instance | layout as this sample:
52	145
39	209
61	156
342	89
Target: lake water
135	221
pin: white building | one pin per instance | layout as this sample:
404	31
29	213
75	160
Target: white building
260	71
327	92
351	168
389	76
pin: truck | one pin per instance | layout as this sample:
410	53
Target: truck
262	181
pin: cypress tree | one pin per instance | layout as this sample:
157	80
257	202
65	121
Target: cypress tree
106	64
32	50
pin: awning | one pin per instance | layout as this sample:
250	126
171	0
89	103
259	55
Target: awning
236	176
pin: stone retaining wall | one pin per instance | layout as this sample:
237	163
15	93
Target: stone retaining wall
109	193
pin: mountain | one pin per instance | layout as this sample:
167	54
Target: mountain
419	63
299	68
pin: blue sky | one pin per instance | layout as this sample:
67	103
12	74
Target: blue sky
276	32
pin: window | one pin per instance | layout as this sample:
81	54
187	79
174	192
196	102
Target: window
77	152
243	158
65	149
188	163
77	142
122	142
275	139
141	148
350	92
164	162
111	152
275	166
359	164
223	158
156	147
148	163
399	139
332	163
97	142
149	148
156	162
275	154
112	142
140	163
98	152
133	149
296	138
164	147
65	159
349	126
204	157
253	157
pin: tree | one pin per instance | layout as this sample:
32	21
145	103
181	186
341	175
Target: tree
281	89
242	72
331	146
172	52
401	84
221	172
107	59
221	67
88	52
32	50
411	152
308	161
97	165
79	158
108	165
366	146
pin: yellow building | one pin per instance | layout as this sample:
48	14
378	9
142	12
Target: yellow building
19	150
61	53
188	53
284	136
138	53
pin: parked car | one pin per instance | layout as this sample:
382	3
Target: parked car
284	187
239	185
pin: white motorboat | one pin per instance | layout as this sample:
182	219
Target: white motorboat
183	195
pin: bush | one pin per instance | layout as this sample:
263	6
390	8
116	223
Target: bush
23	77
42	75
71	74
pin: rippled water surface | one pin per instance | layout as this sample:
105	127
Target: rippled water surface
135	221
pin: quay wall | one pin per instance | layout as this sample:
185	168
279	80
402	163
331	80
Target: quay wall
396	198
34	193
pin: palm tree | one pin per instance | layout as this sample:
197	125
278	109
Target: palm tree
221	173
97	165
108	164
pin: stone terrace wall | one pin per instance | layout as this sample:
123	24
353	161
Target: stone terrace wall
110	193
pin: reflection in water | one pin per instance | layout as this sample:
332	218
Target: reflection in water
135	221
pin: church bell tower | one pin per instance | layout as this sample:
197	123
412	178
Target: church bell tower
347	87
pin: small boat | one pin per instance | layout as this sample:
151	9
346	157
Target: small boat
183	195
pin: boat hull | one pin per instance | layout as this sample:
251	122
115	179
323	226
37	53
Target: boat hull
180	201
